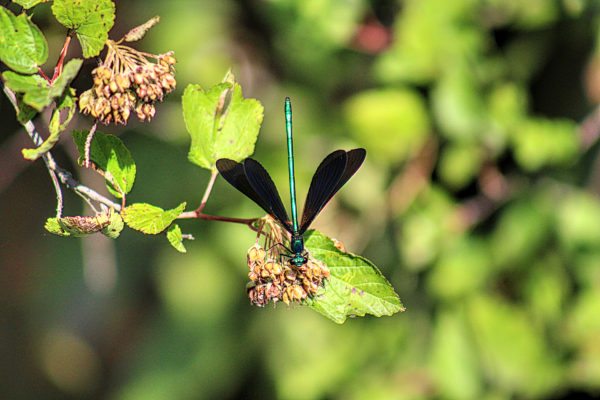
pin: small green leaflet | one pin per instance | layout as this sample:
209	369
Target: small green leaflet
39	93
150	219
66	102
63	113
356	287
110	155
175	238
23	47
115	225
220	129
90	19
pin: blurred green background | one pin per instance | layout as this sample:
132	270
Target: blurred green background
479	201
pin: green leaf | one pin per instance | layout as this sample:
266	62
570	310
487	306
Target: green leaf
115	226
23	47
150	219
111	156
218	129
54	227
35	88
90	19
39	93
25	113
29	3
63	113
139	31
69	73
355	288
56	127
175	238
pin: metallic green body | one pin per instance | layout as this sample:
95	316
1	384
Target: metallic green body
297	242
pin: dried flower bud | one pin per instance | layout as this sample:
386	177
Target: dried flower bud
122	82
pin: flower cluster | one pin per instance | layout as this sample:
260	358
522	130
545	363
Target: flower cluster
128	81
271	280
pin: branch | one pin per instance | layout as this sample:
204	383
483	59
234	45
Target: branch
209	187
54	169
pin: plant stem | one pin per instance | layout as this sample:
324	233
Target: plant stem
54	169
209	187
88	145
61	58
197	214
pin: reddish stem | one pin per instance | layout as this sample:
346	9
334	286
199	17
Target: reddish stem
196	214
59	65
43	74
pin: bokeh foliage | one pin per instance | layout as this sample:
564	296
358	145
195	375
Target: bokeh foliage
478	200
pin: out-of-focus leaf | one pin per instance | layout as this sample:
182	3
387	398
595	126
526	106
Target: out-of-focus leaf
582	332
221	122
356	287
23	47
461	270
454	358
546	289
522	229
174	237
431	36
513	352
139	31
507	105
90	19
426	228
458	105
578	221
150	219
542	142
110	155
459	164
391	123
583	323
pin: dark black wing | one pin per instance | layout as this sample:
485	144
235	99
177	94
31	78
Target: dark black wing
233	172
263	185
323	183
333	172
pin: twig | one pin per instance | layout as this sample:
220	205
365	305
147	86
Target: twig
88	145
196	214
56	171
209	187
